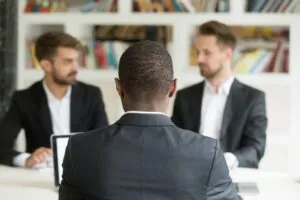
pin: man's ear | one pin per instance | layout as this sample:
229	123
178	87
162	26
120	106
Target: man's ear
173	86
228	52
46	65
119	88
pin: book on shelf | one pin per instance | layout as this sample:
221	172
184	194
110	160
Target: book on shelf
49	6
133	33
31	59
94	55
259	50
102	54
192	6
103	51
261	60
273	6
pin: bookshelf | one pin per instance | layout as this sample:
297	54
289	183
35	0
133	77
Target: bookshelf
282	89
270	6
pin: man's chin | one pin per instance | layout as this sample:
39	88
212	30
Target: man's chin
73	82
206	75
66	82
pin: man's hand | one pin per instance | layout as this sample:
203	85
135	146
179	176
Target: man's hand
231	160
38	156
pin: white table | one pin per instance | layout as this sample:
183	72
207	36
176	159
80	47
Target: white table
17	183
271	185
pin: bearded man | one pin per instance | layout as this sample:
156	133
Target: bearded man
58	104
220	106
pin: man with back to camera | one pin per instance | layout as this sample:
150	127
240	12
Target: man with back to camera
144	155
221	107
57	104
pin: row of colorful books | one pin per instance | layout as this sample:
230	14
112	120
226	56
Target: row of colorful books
133	33
47	6
273	6
95	54
106	54
259	60
181	6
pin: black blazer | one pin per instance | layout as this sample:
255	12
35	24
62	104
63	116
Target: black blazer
244	124
144	156
29	111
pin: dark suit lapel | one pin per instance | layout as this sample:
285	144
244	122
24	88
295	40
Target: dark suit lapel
196	106
42	102
75	107
229	111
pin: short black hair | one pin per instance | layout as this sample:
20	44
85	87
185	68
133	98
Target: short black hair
146	71
47	44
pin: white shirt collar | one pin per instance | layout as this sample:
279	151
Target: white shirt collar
145	112
49	94
224	87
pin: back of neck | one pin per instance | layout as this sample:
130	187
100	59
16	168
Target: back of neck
146	107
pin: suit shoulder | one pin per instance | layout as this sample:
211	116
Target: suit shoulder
88	89
89	137
190	89
86	86
202	140
203	147
19	94
252	90
22	93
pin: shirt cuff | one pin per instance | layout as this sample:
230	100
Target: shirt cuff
231	160
20	160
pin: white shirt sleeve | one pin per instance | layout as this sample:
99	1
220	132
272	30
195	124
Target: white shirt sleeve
231	160
20	159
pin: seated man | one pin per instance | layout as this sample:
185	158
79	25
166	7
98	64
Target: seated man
222	107
144	155
57	104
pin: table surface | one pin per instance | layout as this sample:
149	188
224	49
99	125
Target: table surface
17	183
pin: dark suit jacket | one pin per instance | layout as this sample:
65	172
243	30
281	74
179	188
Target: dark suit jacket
244	124
144	156
29	111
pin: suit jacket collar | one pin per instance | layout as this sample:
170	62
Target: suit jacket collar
40	98
142	119
76	107
224	87
144	112
232	98
49	94
229	110
41	101
196	100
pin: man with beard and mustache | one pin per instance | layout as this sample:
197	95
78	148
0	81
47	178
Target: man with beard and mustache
220	106
58	104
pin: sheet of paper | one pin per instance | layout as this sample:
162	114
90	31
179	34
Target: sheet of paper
61	145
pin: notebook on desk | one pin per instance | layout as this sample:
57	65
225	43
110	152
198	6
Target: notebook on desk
246	188
58	145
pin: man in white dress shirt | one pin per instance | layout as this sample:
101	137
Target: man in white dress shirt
221	107
58	104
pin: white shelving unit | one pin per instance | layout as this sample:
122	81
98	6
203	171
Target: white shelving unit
282	89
